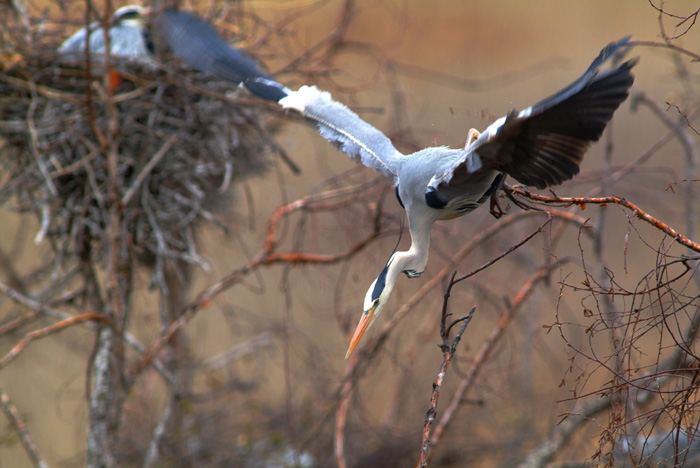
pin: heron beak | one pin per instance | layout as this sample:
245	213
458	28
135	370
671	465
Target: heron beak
365	322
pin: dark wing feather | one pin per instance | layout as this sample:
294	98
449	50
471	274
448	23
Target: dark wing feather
543	145
547	148
584	80
195	41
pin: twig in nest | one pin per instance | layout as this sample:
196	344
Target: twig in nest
147	169
178	144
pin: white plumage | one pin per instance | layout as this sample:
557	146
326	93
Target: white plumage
128	38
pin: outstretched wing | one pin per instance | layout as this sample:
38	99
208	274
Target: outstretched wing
346	130
196	42
543	145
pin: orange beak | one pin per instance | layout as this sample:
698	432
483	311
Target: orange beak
365	322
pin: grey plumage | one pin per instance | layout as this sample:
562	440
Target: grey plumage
542	145
127	36
194	41
346	130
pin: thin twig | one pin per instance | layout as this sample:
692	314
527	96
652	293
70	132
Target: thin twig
147	168
559	435
487	348
43	332
28	302
448	351
511	249
664	45
638	212
267	257
21	428
340	418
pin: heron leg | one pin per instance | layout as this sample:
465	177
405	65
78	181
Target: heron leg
495	206
471	137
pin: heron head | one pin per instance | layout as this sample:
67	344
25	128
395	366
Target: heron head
130	13
377	295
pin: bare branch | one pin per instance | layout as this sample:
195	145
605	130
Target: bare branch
50	330
637	212
448	351
21	428
486	349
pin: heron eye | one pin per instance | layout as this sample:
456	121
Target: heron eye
375	303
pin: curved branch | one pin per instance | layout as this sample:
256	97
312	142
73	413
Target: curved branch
50	330
603	201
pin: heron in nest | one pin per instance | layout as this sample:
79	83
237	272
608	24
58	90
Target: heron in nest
540	146
128	38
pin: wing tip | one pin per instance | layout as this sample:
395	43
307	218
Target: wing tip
610	50
266	88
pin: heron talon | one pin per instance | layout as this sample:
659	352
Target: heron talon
496	209
508	190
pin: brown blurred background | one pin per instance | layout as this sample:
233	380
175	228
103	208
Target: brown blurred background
457	65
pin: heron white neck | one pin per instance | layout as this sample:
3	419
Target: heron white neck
412	262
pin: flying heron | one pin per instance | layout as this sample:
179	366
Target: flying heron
540	146
128	38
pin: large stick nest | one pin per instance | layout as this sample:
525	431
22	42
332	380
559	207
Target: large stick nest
181	138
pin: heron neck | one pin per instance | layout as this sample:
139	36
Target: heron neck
416	258
412	261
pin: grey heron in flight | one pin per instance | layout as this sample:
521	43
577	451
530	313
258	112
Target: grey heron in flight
128	38
540	146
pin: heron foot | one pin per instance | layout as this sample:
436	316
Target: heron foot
508	190
495	208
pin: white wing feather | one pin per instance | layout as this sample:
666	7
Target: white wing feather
345	129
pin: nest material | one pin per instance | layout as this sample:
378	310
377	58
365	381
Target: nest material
181	141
